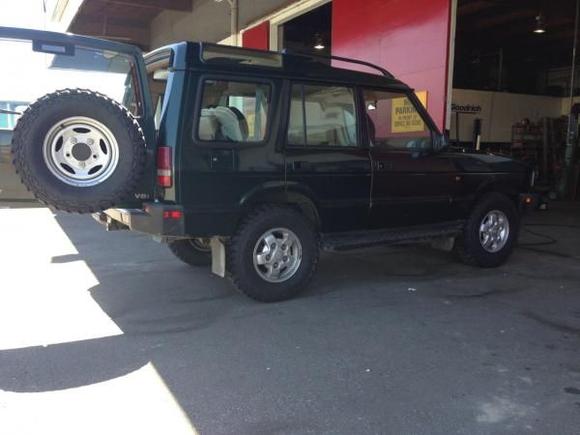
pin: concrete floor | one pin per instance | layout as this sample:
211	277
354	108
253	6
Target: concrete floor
108	333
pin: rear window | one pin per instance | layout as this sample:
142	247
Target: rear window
158	66
233	111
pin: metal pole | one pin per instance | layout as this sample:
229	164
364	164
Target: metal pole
500	70
571	134
234	20
457	141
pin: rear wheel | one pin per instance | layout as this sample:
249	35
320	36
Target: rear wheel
490	232
273	255
195	252
79	151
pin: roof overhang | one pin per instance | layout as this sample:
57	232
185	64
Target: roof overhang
126	21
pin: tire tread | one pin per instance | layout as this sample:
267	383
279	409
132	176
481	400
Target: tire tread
24	129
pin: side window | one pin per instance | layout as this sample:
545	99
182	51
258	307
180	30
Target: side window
322	115
157	84
233	111
394	123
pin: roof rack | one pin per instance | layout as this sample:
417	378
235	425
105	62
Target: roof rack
339	58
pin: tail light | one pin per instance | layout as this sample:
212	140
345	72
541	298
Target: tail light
172	214
164	167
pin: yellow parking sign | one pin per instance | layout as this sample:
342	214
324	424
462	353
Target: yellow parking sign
404	117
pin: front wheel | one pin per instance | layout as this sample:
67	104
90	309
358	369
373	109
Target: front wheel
273	255
490	232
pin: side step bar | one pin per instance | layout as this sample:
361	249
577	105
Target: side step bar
362	239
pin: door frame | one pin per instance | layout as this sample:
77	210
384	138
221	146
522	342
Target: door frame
278	18
450	64
287	14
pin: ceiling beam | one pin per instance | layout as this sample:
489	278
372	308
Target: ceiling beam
473	7
138	35
503	19
175	5
508	33
108	20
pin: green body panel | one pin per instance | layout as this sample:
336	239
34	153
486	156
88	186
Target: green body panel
339	188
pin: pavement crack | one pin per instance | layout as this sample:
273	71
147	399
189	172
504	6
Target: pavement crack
485	294
562	327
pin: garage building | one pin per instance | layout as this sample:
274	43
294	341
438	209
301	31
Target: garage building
497	75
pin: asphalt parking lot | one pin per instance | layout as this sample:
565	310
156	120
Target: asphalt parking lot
108	333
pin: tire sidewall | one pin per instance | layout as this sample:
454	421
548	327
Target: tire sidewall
471	233
50	188
254	285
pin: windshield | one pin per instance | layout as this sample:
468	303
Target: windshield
27	74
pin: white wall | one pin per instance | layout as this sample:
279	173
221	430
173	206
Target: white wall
499	111
566	104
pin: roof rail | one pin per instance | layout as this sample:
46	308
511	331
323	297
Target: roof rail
339	58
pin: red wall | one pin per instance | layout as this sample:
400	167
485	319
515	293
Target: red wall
408	37
257	37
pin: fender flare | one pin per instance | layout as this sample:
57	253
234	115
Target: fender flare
278	192
496	184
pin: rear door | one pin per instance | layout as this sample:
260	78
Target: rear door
35	63
228	152
325	156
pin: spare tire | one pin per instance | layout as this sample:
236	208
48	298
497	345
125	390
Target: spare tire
79	151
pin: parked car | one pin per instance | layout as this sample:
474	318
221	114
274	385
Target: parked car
253	161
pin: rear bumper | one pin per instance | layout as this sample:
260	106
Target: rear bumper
161	220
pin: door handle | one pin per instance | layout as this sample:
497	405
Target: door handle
383	166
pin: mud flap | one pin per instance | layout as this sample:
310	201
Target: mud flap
218	257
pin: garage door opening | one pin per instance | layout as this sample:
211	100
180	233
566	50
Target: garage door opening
513	84
309	32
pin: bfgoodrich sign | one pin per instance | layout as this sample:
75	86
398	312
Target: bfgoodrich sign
466	108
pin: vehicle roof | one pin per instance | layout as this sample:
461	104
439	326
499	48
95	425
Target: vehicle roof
189	55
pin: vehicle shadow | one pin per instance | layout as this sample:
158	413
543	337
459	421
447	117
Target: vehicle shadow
203	337
159	302
155	299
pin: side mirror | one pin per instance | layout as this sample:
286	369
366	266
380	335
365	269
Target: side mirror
440	142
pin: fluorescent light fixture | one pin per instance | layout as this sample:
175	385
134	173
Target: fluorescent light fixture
540	24
318	42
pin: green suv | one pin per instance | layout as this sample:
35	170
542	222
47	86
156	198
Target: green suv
254	161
